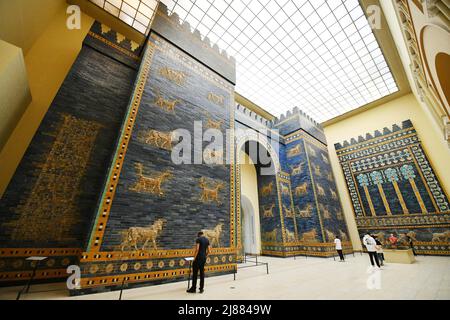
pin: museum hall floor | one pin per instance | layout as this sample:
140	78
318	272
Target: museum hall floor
312	278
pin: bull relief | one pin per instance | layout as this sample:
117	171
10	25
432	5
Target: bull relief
135	236
166	104
214	235
175	76
216	99
158	139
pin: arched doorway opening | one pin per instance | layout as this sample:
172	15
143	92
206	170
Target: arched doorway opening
257	168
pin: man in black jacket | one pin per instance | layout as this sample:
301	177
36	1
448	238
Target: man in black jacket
202	251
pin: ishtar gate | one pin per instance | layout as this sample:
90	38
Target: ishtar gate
292	131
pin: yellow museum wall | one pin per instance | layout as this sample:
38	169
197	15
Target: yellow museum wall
47	62
385	115
249	189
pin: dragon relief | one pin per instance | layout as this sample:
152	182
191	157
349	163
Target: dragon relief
148	184
288	213
210	194
297	170
216	99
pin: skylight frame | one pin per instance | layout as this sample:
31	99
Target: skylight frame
138	14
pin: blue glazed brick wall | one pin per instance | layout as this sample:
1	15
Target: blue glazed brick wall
185	214
51	199
392	166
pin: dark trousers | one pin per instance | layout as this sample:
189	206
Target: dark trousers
373	255
198	265
341	255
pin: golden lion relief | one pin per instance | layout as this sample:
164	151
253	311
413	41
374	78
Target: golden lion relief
149	184
143	235
210	194
214	235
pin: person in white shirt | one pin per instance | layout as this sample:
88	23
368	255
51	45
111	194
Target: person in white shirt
338	244
370	244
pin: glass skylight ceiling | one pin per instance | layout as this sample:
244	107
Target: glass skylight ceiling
136	13
318	55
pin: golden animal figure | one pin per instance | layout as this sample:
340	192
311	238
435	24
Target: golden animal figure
343	235
210	194
302	189
325	158
149	184
309	236
270	236
330	235
214	235
268	212
213	156
320	190
284	189
312	152
162	140
317	170
288	213
175	76
326	213
333	194
330	177
165	104
267	189
290	236
307	212
339	215
295	151
441	237
217	99
212	124
135	235
297	170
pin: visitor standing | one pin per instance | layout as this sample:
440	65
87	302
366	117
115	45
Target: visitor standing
411	244
338	244
370	244
202	251
380	254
